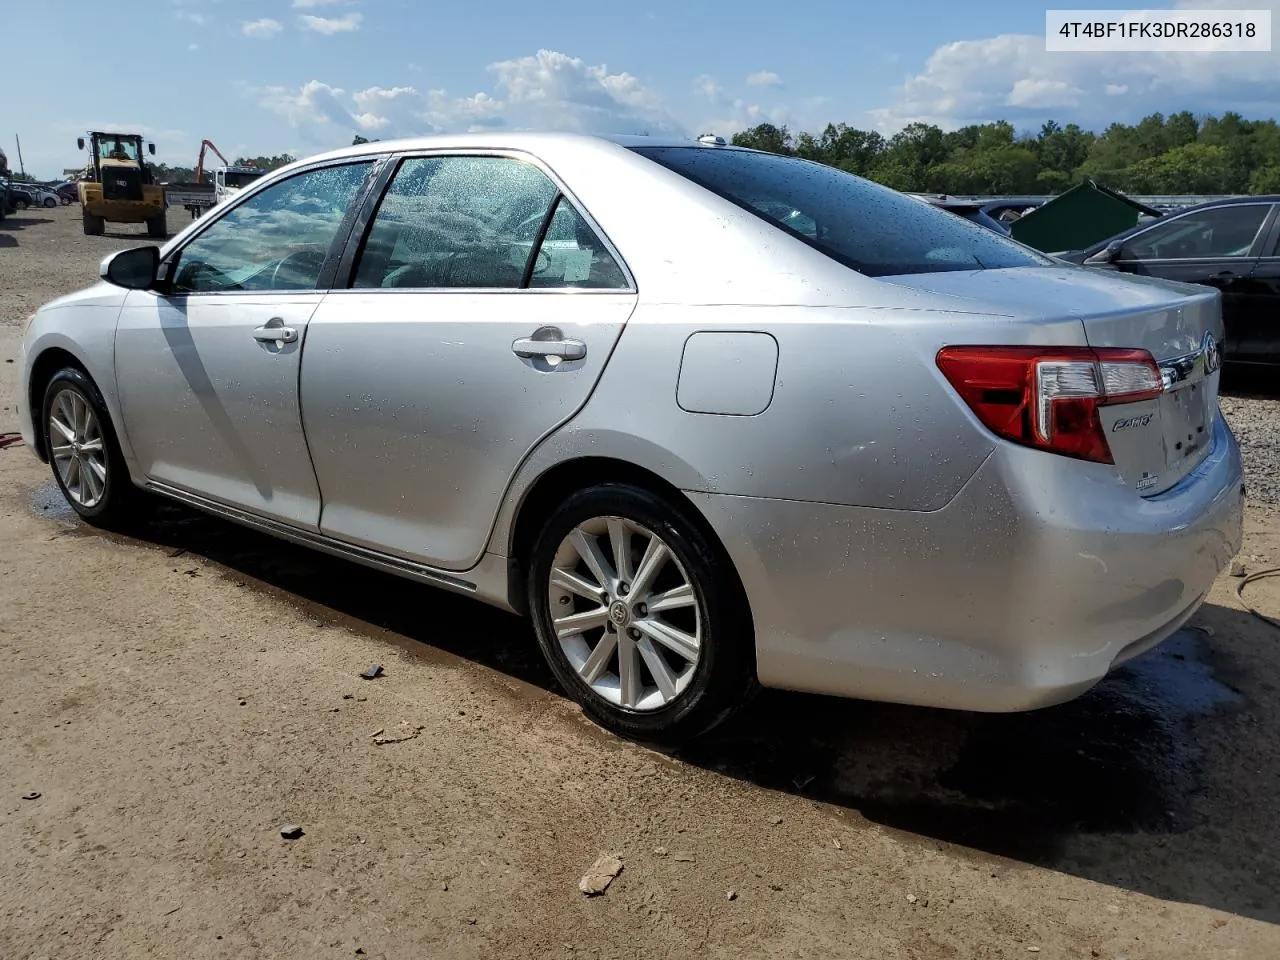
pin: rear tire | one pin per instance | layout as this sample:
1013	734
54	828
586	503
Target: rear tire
83	451
50	202
157	228
93	226
684	626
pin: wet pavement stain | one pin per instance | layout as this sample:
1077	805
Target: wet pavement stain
1121	759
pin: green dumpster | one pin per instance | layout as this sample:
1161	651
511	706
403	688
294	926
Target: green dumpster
1082	216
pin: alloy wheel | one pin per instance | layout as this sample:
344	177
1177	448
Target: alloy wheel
77	448
625	613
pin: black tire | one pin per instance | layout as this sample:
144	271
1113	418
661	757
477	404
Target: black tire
93	226
21	203
50	202
119	498
157	227
723	678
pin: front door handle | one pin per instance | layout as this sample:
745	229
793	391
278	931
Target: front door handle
549	342
269	334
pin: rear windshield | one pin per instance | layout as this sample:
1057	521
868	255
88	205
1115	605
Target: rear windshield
874	230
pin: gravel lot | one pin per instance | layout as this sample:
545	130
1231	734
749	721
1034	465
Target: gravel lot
1255	419
176	697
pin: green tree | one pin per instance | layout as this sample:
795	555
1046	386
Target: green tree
1177	153
1266	179
1194	168
767	137
266	163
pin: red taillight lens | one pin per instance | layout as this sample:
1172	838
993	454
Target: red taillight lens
1048	397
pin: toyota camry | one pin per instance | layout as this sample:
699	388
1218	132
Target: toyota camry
712	418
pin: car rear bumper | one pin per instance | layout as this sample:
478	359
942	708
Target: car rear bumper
1025	590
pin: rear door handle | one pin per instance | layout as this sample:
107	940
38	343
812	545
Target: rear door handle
549	342
275	334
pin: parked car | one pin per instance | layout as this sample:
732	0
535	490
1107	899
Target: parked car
20	195
1232	245
67	192
26	195
993	213
749	420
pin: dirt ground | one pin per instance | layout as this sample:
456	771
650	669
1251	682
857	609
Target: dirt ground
177	697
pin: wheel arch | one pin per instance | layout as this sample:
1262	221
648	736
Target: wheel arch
47	363
554	485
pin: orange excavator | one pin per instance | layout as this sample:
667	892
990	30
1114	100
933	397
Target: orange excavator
199	196
207	145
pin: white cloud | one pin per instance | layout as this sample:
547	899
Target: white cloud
261	29
1012	77
199	19
1043	92
347	23
193	46
764	78
554	90
309	4
547	90
706	86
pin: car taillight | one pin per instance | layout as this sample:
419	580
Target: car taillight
1048	397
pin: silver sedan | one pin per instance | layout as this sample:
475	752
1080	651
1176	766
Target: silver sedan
712	418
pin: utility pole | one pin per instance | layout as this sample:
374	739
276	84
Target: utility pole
21	169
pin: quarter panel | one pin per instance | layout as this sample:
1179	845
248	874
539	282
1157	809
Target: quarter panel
860	413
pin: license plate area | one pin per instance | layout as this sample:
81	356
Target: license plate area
1184	418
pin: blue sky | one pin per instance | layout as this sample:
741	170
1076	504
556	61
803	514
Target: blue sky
266	76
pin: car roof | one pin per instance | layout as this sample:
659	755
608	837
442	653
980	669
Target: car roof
510	140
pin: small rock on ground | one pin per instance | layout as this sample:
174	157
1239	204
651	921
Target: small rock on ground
601	873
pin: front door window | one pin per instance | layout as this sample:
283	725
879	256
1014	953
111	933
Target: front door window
278	239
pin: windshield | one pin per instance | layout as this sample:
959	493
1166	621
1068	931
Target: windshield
239	178
112	148
874	230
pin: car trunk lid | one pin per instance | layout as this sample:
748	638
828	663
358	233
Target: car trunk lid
1155	442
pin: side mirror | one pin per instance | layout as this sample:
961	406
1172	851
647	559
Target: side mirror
1107	254
151	149
133	269
79	143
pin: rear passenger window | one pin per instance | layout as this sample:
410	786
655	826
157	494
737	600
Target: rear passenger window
572	255
453	222
473	222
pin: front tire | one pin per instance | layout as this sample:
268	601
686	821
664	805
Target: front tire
83	451
93	226
50	202
640	618
157	227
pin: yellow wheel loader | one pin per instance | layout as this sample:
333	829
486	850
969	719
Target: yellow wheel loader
119	186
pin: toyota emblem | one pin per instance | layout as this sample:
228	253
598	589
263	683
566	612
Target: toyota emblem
1209	351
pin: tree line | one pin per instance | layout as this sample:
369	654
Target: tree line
166	173
1178	154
